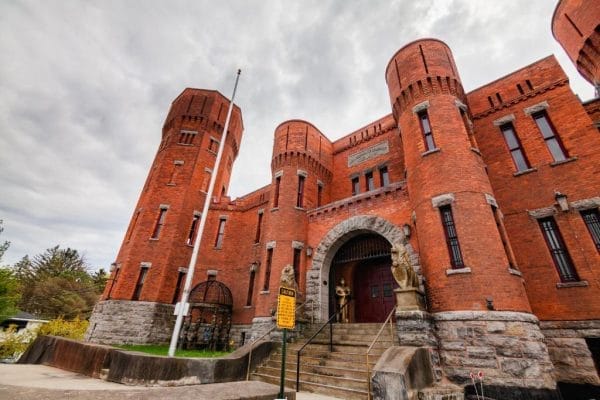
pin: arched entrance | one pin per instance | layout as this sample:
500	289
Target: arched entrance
364	263
318	277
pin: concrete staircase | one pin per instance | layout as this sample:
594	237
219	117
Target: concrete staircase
341	373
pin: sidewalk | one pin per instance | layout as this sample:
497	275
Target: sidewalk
40	382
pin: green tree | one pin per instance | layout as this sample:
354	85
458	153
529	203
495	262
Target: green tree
9	285
56	284
3	246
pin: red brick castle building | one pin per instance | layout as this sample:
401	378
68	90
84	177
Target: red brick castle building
495	193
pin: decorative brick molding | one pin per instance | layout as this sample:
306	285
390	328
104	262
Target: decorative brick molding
316	292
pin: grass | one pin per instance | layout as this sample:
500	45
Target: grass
163	350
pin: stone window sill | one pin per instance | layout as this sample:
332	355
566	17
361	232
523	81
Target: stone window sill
214	153
248	307
274	209
456	271
564	285
264	292
189	245
432	151
154	239
514	271
170	184
475	150
300	208
525	171
568	160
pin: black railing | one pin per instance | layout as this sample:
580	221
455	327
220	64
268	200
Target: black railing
329	322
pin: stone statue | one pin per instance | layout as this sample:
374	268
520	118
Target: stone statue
343	294
288	278
402	269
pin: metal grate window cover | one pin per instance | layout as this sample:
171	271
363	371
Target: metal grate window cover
363	247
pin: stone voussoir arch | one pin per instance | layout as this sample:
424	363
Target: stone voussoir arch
317	290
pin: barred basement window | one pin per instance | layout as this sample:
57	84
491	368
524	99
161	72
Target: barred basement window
276	194
456	259
268	270
140	283
514	146
426	130
160	221
558	249
220	233
384	176
178	285
370	182
355	186
552	140
592	221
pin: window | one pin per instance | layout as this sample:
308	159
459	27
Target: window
456	259
140	283
355	186
319	195
176	166
187	137
268	269
426	130
466	121
258	227
193	229
514	146
220	233
560	255
296	263
592	221
276	197
384	176
370	182
213	145
250	287
504	237
300	197
205	180
553	142
159	223
177	293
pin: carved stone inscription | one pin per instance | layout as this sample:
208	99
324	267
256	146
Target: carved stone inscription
368	153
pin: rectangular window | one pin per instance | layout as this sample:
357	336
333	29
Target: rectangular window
426	130
258	228
504	237
300	197
213	145
250	288
160	221
384	176
297	254
514	146
319	195
220	233
187	137
193	229
456	259
276	196
178	285
268	269
140	283
205	180
355	186
552	140
560	255
370	182
592	221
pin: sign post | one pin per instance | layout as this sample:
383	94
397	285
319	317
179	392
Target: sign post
286	319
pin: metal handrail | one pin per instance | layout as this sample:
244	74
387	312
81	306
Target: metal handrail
261	338
315	335
388	319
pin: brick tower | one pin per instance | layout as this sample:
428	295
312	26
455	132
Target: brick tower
149	271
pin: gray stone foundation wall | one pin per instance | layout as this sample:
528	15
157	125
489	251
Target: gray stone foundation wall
568	350
131	322
240	334
417	329
508	347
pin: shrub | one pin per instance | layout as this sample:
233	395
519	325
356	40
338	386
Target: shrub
74	329
13	344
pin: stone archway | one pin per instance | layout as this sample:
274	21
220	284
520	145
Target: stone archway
317	285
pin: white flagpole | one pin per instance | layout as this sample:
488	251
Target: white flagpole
192	266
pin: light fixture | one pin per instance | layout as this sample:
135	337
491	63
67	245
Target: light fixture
406	230
561	199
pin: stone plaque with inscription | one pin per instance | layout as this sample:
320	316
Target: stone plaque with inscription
368	153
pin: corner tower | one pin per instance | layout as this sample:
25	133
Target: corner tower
148	274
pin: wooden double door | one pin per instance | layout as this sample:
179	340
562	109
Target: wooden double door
374	290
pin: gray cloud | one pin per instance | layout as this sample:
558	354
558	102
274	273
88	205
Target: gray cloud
85	87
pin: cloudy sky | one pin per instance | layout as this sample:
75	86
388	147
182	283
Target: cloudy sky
85	87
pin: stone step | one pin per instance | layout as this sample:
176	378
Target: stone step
346	370
351	347
338	381
313	387
350	356
328	361
445	392
363	339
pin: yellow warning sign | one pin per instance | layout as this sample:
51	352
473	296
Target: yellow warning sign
286	308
